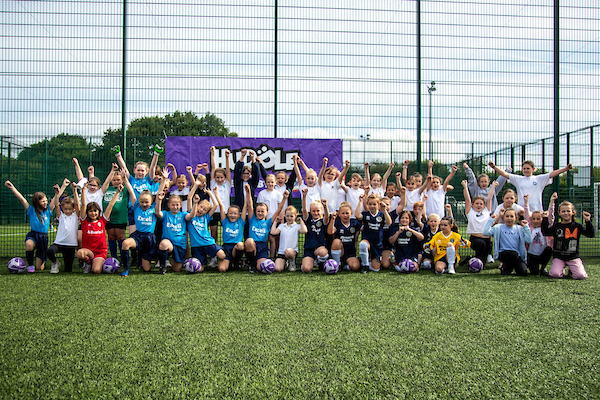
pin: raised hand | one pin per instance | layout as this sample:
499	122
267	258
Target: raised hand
304	191
286	194
464	184
454	168
115	167
465	165
90	170
171	166
491	164
586	216
524	223
553	197
406	163
227	153
8	184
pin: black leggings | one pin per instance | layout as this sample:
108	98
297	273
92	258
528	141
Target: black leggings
512	260
68	253
539	263
481	246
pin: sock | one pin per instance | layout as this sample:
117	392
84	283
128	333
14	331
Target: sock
363	250
323	258
30	257
251	259
451	255
427	264
372	269
134	253
112	245
120	244
346	267
162	257
337	256
125	259
237	258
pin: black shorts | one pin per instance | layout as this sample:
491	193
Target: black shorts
41	243
145	243
214	221
110	225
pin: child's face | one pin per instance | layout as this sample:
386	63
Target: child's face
376	182
390	191
386	205
140	171
117	181
233	214
261	212
527	169
202	209
219	178
509	200
445	227
484	182
68	209
411	185
566	213
433	223
510	218
404	220
435	183
372	206
355	183
419	181
174	205
536	220
329	175
311	179
181	183
246	175
315	211
202	185
280	179
290	217
478	205
93	187
418	209
44	203
270	183
345	213
145	201
93	214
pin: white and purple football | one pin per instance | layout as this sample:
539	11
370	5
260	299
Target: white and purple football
406	266
192	265
331	267
267	266
17	265
475	264
111	265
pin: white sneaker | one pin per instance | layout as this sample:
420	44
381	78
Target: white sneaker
292	265
87	268
451	269
213	263
168	264
55	267
490	259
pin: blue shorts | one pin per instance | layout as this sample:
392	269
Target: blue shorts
262	250
228	249
309	253
41	243
130	216
145	242
375	252
201	252
178	254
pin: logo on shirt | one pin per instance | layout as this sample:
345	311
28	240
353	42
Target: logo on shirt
378	219
352	230
318	224
570	234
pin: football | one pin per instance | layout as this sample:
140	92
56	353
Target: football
111	265
16	265
475	264
331	267
267	266
192	265
406	265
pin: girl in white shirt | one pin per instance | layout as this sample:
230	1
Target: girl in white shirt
288	232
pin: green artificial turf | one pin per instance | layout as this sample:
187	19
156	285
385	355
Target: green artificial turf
291	335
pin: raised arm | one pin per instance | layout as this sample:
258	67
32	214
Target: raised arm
467	195
367	176
56	199
557	172
249	203
471	178
190	173
386	214
282	204
322	171
82	214
498	170
78	171
357	213
193	210
132	196
492	193
160	196
304	205
387	175
192	192
213	163
17	194
430	167
109	177
426	184
215	203
325	211
111	204
227	165
117	151
551	208
404	170
402	204
173	174
331	225
449	178
158	150
75	197
297	170
344	171
261	167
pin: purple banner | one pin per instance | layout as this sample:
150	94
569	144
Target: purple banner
275	154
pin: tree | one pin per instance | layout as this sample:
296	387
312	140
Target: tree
145	132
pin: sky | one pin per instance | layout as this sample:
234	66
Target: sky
344	70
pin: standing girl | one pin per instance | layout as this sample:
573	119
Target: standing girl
371	245
39	220
65	241
330	182
377	184
117	222
436	191
93	240
444	246
566	234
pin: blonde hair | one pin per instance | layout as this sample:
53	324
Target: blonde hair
311	172
145	164
356	176
568	204
291	209
433	215
317	203
206	204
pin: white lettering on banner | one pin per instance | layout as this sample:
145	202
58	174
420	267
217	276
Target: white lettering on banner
270	157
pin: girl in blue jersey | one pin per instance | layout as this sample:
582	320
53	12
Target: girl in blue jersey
174	237
314	239
233	222
371	245
202	243
256	247
39	220
345	231
142	238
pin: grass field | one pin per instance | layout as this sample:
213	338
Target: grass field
290	335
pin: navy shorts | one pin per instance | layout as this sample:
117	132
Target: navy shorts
201	252
309	253
375	252
214	221
130	216
41	243
349	252
228	249
145	242
262	250
178	254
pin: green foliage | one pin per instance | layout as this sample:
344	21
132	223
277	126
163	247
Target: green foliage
299	336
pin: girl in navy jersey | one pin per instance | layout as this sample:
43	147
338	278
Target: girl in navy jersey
407	241
316	224
345	231
371	245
